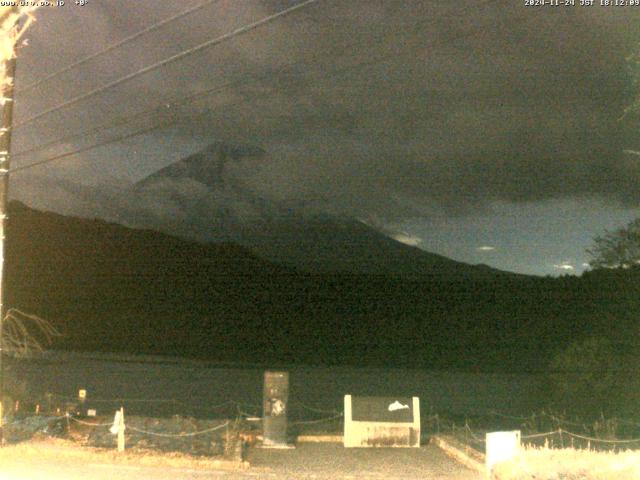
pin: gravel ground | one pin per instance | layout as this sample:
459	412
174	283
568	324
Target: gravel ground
332	461
309	461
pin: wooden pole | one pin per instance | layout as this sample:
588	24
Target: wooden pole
5	148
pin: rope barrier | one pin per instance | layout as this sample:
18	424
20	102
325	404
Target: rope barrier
177	435
468	432
151	400
562	421
313	409
480	440
536	416
322	420
559	431
604	440
90	424
538	435
338	415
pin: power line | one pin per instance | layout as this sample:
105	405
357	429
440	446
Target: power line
117	139
162	63
124	120
105	126
116	45
92	147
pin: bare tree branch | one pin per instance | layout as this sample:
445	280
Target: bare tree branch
24	334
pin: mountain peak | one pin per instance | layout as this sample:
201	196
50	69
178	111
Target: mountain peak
205	166
215	208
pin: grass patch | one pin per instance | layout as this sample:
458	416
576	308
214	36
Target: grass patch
543	463
62	450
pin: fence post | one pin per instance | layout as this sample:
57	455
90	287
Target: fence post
121	428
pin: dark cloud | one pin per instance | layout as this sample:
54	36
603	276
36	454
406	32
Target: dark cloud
381	110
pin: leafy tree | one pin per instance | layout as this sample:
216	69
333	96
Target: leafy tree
617	249
586	377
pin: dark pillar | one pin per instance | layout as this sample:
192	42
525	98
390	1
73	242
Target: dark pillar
275	408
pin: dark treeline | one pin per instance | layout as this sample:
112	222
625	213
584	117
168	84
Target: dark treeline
109	288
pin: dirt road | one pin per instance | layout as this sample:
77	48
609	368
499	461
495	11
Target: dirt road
308	461
333	461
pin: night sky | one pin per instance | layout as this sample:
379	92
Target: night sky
486	131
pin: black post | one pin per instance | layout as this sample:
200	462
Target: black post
5	146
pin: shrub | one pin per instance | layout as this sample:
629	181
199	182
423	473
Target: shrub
587	378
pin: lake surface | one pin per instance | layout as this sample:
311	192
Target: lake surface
168	386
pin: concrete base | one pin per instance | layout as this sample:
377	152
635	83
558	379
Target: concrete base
320	439
277	446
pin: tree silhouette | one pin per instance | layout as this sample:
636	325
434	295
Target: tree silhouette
24	334
617	249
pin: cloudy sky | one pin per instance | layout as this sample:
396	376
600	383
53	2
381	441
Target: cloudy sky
486	131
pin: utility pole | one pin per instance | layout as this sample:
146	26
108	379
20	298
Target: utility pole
5	147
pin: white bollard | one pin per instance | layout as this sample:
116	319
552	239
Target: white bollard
121	431
118	428
501	446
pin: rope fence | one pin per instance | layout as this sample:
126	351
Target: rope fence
602	434
243	409
321	420
564	421
179	435
191	434
469	434
104	433
124	401
314	409
465	433
603	440
582	431
135	429
114	400
89	424
538	435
